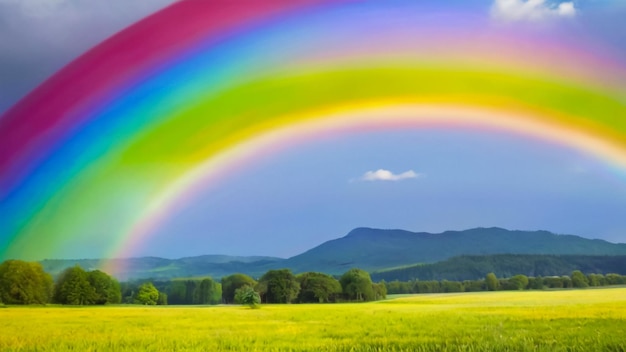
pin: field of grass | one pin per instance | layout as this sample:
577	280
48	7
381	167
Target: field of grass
577	320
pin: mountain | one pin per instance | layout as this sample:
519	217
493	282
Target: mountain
365	248
374	249
505	265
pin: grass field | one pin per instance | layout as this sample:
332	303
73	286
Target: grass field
578	320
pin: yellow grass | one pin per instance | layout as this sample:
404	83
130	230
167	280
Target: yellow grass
578	320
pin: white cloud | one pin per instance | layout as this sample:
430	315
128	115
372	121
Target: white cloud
386	175
531	10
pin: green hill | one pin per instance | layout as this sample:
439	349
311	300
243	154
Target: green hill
369	249
505	265
374	250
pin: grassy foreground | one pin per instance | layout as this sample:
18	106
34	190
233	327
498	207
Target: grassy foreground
580	320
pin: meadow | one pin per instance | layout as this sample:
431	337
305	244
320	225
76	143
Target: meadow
568	320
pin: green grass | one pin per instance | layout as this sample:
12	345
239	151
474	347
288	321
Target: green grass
577	320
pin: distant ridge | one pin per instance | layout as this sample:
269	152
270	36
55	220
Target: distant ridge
365	248
375	249
160	268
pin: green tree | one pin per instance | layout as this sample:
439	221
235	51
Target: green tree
380	290
579	279
216	293
356	284
396	287
473	285
596	280
248	296
24	283
317	287
492	282
147	294
73	287
128	292
162	300
431	286
107	289
615	279
191	294
176	292
208	292
553	281
233	282
536	283
451	286
279	286
567	281
520	282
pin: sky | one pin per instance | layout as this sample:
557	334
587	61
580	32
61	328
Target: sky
453	180
39	37
430	179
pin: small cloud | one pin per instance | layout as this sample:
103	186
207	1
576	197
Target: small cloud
566	9
386	175
531	10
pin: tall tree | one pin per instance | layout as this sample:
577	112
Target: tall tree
357	285
492	282
567	281
596	280
579	279
380	290
73	287
177	292
147	294
317	287
535	283
24	283
233	282
162	300
107	289
279	286
209	292
520	282
191	296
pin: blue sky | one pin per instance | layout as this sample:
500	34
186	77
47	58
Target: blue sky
291	201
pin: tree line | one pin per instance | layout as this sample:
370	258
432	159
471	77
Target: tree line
27	283
275	286
517	282
177	291
282	286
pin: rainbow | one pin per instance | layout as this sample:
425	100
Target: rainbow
129	131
